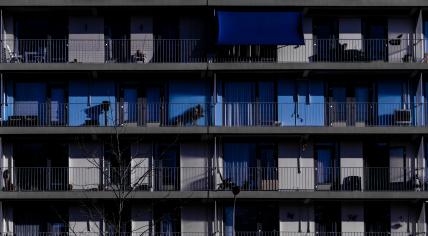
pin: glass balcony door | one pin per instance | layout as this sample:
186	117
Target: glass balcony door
154	108
58	106
129	106
240	98
167	170
327	170
267	172
349	106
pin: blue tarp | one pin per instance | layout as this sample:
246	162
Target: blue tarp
260	28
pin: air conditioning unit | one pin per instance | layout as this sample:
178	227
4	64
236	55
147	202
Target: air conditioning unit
402	117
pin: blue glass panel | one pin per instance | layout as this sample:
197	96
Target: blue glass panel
239	106
184	98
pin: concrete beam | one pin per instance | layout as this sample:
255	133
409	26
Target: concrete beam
162	67
351	66
102	3
102	67
213	130
321	3
322	195
293	3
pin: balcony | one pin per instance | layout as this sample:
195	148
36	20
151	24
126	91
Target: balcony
195	51
237	233
328	50
103	51
254	114
291	179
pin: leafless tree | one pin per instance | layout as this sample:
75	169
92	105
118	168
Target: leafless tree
123	178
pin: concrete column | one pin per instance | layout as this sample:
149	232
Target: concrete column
420	46
295	166
7	219
196	218
86	39
352	217
296	218
142	36
141	171
7	164
194	163
350	33
400	29
85	162
9	36
351	164
399	171
84	219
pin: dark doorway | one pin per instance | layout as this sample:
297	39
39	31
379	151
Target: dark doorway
167	218
41	40
166	44
40	167
117	37
167	168
376	166
35	219
112	220
328	218
117	165
377	218
252	218
375	31
326	35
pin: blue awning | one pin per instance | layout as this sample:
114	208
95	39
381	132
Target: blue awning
263	28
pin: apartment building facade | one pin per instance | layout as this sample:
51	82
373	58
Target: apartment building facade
196	117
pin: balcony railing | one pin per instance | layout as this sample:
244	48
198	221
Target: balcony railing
238	114
362	179
103	51
335	114
23	114
194	50
328	50
224	233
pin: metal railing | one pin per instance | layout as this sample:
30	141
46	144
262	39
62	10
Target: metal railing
402	50
228	114
102	51
322	179
225	233
327	50
282	233
336	114
368	179
23	114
